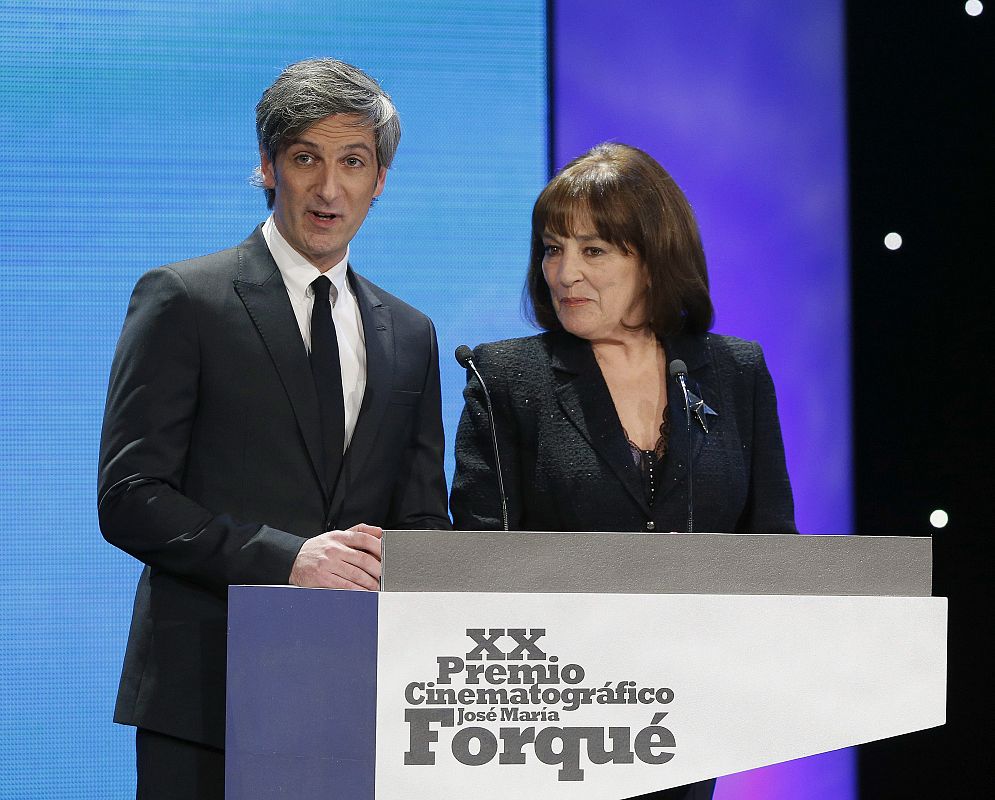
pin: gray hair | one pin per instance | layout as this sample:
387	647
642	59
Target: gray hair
311	90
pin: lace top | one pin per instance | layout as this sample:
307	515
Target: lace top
649	461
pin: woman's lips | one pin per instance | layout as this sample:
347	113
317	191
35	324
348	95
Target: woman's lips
573	302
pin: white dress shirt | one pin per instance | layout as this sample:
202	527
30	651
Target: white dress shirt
298	273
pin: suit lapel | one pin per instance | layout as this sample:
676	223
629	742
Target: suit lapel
378	332
261	288
693	351
583	396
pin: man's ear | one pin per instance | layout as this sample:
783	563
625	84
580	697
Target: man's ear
267	169
381	180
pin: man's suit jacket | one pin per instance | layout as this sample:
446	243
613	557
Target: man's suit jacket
210	467
566	462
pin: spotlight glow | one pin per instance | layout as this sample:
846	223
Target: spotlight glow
939	518
893	241
973	7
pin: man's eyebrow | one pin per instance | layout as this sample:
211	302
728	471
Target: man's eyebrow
315	146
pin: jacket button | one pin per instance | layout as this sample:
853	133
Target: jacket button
650	526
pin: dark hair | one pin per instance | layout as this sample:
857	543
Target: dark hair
636	206
311	90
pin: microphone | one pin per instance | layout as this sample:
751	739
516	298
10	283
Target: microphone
679	370
464	356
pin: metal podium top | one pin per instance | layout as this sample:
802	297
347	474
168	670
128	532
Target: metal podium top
641	563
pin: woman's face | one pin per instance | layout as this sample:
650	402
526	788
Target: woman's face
597	288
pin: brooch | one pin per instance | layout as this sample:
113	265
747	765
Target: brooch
700	409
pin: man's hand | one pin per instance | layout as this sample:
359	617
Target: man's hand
340	560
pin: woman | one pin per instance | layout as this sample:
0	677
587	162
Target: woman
592	430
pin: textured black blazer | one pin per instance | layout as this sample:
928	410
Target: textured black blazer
209	467
566	462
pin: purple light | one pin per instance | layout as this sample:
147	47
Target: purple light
830	776
744	105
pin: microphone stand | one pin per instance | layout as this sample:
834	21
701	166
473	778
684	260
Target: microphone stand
464	355
678	369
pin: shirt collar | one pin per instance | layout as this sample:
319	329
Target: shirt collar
297	271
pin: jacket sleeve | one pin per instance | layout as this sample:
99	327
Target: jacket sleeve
148	419
475	501
419	497
769	504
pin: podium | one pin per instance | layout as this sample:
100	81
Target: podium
579	665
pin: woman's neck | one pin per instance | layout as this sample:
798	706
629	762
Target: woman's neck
627	348
634	369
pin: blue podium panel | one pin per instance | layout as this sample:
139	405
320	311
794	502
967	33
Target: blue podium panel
305	674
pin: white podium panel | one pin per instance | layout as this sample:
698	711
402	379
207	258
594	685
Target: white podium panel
609	696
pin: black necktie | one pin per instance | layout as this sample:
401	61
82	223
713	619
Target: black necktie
327	372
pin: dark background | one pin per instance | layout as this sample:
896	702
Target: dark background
921	136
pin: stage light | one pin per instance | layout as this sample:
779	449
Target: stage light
974	7
893	241
939	518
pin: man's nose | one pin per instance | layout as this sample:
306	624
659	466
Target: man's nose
328	185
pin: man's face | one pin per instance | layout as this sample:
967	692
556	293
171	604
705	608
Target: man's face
325	180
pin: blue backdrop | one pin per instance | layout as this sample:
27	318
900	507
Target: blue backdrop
127	140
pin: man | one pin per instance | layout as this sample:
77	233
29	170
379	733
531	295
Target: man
269	412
